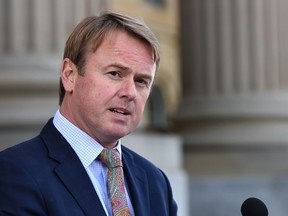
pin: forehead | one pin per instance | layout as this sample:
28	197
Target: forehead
119	43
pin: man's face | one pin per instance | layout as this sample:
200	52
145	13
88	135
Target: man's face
108	101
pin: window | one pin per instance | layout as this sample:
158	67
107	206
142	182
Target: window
157	3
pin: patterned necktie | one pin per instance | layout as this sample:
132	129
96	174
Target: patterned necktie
115	182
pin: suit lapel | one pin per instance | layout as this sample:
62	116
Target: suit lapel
81	188
137	184
71	171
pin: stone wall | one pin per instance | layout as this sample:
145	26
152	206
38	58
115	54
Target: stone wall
234	114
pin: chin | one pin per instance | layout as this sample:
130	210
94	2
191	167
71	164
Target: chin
120	135
119	131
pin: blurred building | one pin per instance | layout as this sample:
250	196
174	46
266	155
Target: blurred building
32	38
234	109
222	88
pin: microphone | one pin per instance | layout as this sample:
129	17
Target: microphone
253	207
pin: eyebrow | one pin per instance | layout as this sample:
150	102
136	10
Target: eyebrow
122	67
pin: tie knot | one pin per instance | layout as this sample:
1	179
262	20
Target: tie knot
111	158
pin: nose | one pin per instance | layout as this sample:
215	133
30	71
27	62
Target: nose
128	90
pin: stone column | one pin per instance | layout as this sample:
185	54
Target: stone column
32	38
233	64
234	110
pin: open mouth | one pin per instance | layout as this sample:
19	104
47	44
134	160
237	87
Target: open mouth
119	111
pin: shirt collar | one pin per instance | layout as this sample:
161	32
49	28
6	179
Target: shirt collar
87	148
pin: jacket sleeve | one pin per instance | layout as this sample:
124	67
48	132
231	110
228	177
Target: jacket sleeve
171	202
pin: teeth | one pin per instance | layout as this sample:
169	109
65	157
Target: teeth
118	111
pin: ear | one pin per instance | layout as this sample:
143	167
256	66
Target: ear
69	73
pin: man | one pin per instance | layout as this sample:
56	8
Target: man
107	72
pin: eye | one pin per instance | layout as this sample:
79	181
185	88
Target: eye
142	82
114	73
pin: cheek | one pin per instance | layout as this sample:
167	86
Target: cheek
96	94
88	87
102	92
85	93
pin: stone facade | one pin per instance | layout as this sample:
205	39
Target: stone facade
233	116
32	37
219	108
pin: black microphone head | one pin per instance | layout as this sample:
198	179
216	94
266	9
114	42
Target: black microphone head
254	207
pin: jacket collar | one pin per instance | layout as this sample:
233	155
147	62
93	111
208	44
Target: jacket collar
137	183
77	183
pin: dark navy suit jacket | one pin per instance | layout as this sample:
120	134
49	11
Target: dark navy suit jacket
44	176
